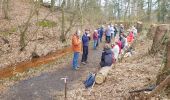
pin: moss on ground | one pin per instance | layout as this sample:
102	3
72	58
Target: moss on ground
46	23
8	32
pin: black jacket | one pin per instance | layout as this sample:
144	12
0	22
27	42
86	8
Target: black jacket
107	58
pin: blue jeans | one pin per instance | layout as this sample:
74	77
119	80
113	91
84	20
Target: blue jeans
75	60
95	44
100	39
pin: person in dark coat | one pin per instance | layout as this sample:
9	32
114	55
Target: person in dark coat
101	32
107	58
85	42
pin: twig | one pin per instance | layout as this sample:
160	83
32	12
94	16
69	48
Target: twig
92	88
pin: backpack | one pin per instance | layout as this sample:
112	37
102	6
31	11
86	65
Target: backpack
89	80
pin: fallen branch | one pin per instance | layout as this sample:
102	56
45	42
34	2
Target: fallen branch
150	88
162	85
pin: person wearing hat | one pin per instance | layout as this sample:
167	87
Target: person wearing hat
85	42
107	58
76	46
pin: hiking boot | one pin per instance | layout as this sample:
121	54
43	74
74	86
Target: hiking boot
75	69
84	63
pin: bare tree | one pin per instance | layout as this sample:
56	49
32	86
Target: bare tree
63	37
52	5
5	7
23	28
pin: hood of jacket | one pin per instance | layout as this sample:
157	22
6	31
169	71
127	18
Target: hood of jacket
108	51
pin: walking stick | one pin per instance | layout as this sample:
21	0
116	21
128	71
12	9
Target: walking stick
65	88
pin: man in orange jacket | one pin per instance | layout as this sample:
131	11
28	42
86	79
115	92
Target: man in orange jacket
76	45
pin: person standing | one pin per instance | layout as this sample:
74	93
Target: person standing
112	31
135	32
115	30
76	46
108	34
95	39
85	42
121	29
101	32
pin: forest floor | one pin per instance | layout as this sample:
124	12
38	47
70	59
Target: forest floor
134	72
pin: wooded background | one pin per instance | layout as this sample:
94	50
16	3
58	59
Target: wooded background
88	13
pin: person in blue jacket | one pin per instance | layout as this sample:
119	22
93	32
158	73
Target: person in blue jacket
101	32
85	42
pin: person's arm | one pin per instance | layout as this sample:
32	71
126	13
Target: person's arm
76	41
102	58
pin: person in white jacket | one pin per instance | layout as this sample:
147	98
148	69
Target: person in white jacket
115	50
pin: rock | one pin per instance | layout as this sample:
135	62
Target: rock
35	55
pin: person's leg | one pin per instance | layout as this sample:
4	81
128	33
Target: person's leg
109	39
75	60
101	39
94	44
97	43
83	55
86	53
106	39
115	34
111	35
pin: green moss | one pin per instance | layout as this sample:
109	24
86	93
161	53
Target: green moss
8	32
46	23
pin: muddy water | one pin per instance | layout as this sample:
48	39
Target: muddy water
21	67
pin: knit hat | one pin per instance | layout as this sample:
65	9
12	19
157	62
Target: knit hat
106	46
78	32
95	31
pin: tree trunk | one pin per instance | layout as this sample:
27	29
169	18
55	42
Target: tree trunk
140	10
68	4
5	7
159	37
126	10
63	37
41	1
102	74
52	5
164	84
139	26
149	10
23	29
151	31
166	69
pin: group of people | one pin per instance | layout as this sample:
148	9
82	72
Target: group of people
116	42
77	44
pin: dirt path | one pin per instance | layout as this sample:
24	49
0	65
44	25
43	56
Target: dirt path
43	86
